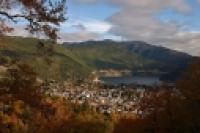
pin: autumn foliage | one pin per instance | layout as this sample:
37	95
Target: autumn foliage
25	109
169	111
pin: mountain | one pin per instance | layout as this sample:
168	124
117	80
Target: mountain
64	64
80	59
134	55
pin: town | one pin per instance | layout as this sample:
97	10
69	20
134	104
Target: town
104	99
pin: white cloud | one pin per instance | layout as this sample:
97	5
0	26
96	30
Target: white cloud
94	26
97	26
136	21
83	30
79	27
153	5
19	30
79	36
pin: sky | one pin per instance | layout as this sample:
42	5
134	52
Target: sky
173	24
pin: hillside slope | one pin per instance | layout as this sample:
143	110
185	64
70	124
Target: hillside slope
137	56
64	64
79	59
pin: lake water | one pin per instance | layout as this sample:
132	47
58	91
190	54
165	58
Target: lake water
137	80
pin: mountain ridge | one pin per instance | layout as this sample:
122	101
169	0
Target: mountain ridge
84	57
136	47
143	56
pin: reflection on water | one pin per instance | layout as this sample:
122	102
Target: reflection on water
137	80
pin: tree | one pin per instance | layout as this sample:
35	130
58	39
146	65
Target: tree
20	82
42	16
169	111
190	83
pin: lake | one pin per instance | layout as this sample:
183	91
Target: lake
137	80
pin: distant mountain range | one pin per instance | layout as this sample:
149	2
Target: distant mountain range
82	58
133	55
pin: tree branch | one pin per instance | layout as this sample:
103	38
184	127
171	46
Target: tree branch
12	17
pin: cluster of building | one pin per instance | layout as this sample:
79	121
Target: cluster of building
119	99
